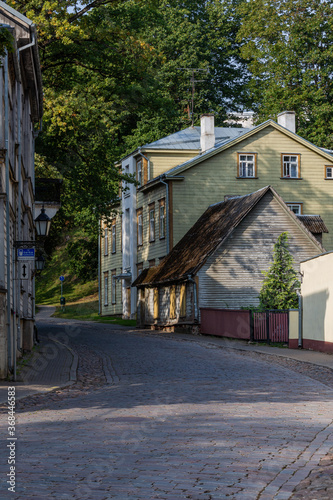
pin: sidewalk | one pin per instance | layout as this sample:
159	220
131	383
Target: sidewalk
52	364
49	366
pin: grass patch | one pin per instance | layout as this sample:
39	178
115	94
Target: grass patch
87	310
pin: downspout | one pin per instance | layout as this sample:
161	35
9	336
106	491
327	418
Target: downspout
167	212
148	162
196	315
99	270
300	325
9	334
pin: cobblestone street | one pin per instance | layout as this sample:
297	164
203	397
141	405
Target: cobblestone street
157	417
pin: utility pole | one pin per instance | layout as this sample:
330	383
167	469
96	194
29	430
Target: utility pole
193	82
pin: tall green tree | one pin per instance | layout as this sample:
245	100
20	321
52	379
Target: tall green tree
279	288
289	46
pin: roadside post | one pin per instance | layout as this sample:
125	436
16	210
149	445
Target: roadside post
62	299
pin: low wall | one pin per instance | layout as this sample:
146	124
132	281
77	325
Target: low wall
233	323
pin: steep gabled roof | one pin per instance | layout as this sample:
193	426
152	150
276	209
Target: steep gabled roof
218	148
211	229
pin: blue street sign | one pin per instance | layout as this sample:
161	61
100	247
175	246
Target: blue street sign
62	278
26	254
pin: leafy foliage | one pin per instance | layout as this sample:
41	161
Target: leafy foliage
279	288
288	45
6	42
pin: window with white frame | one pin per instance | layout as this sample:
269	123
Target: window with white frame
113	286
106	241
126	185
295	207
139	173
329	172
106	288
162	219
140	227
151	223
247	165
290	166
113	237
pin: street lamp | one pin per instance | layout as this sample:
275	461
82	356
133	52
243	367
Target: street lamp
40	263
43	223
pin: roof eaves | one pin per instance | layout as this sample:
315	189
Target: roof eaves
15	13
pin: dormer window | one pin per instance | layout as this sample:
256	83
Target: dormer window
247	165
290	166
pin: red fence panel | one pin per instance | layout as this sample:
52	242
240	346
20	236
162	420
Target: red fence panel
233	323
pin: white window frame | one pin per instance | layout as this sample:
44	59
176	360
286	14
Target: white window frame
295	207
140	230
106	241
246	161
106	289
329	169
113	238
113	288
289	162
126	185
151	224
162	220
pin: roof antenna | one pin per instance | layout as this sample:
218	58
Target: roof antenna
194	81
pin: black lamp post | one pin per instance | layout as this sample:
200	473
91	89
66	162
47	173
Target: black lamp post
43	223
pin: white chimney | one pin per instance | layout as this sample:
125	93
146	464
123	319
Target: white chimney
288	120
207	138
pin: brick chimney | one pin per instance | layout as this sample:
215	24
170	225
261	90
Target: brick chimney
207	138
288	120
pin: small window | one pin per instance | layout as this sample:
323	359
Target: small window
247	165
113	237
126	185
162	219
106	241
139	268
151	262
106	288
113	286
139	173
290	166
140	227
296	208
329	172
152	223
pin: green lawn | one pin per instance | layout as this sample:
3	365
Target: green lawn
88	311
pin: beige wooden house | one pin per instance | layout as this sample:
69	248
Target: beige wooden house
173	193
219	261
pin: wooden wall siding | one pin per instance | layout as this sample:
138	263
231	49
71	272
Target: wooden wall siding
231	277
161	162
108	263
210	181
156	249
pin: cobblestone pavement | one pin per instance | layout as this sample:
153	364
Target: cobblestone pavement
152	417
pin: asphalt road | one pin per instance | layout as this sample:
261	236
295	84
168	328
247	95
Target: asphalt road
168	419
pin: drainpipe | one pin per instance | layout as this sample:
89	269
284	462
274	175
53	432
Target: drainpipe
300	310
148	162
167	212
9	333
196	315
99	270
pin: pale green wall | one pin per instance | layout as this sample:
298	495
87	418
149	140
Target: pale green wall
209	181
161	162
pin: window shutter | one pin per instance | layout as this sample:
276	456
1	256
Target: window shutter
183	300
155	303
172	302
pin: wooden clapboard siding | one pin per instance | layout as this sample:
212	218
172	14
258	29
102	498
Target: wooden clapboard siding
157	249
212	179
109	263
167	304
231	277
161	162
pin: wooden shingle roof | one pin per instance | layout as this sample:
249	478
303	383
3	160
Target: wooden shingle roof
313	223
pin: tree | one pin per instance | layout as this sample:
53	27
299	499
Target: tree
279	288
288	45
